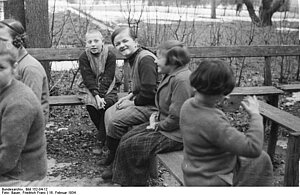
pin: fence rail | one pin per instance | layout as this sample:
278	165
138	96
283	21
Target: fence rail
68	54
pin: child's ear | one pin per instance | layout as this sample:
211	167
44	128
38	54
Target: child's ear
136	40
14	66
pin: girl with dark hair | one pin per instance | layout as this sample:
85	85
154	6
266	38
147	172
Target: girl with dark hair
161	134
139	104
214	151
23	160
29	70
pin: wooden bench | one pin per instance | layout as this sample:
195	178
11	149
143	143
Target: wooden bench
172	161
290	87
267	52
70	100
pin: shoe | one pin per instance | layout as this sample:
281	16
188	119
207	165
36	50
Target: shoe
107	173
106	157
112	145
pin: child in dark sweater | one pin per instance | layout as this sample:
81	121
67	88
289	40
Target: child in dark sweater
214	151
23	159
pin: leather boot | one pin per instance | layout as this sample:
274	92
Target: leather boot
107	173
112	145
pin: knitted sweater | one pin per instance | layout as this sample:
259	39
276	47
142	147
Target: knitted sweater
211	144
31	72
89	77
147	70
22	136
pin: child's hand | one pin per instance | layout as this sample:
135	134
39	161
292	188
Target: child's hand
251	105
153	121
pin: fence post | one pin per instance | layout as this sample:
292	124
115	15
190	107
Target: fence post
291	175
273	100
267	72
298	69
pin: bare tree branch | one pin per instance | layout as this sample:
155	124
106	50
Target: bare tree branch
251	12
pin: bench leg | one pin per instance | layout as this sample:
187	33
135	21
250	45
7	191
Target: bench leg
273	140
153	168
291	175
273	100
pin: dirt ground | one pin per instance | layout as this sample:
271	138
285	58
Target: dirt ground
58	181
72	161
165	178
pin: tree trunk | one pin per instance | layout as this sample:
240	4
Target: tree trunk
15	9
265	17
266	11
213	9
37	25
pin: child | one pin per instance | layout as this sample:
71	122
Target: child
138	146
212	147
23	159
138	105
29	70
98	89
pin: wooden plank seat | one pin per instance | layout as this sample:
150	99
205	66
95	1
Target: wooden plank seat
69	100
259	91
172	161
64	100
285	119
290	87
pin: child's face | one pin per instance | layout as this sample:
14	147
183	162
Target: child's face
6	37
125	44
94	42
161	63
6	71
4	34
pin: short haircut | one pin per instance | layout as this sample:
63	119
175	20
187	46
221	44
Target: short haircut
121	29
213	77
176	53
7	51
91	31
16	31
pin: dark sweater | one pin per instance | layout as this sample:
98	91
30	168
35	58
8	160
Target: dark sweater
211	144
147	70
22	136
89	78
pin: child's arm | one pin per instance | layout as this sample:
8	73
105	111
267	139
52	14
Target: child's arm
249	144
33	78
16	122
182	91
